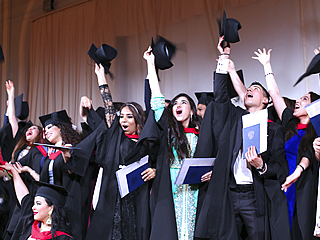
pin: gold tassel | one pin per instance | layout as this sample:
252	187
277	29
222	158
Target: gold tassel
49	220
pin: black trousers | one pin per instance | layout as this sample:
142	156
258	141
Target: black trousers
246	213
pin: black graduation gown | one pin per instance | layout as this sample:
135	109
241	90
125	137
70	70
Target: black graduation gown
221	135
163	220
33	160
107	143
304	217
8	142
78	193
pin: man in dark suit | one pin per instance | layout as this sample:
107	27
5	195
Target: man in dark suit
243	194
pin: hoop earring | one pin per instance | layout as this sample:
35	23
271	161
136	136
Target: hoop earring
49	220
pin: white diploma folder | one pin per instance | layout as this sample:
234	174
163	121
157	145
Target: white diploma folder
255	131
129	178
313	110
192	170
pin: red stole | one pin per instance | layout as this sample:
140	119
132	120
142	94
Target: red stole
54	155
301	126
36	234
191	130
135	136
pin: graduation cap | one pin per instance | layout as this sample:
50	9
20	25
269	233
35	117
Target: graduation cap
163	51
54	118
104	55
54	193
314	67
21	107
1	54
204	97
229	28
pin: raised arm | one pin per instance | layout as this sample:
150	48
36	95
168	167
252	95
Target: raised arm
106	94
11	108
264	58
152	74
157	99
85	103
19	186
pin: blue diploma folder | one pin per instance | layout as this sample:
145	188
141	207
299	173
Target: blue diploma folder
134	178
195	173
129	178
251	137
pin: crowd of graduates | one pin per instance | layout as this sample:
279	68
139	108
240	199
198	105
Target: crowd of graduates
60	183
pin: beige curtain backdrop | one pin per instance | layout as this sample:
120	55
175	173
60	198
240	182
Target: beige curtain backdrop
60	71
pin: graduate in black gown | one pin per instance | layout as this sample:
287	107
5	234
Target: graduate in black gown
301	184
42	213
113	142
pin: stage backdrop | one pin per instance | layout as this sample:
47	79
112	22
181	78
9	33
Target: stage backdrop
59	70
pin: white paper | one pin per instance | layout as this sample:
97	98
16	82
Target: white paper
313	109
122	175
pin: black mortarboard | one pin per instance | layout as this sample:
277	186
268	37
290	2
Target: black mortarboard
314	67
204	97
54	193
229	29
1	54
104	55
163	51
21	107
54	118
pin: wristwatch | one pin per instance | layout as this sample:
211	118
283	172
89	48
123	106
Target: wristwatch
261	169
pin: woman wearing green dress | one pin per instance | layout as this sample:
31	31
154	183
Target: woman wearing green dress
181	124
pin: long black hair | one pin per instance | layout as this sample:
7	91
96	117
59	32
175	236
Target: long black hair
23	141
177	138
309	136
60	219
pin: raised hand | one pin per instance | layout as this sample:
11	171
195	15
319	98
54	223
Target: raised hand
85	102
99	69
148	55
225	51
263	56
10	87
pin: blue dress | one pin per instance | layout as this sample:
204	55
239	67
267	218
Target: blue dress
291	150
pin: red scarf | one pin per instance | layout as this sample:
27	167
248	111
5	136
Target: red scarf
301	126
135	136
36	234
270	121
191	130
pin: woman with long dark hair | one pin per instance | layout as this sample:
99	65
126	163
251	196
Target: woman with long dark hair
180	124
301	184
42	215
114	142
